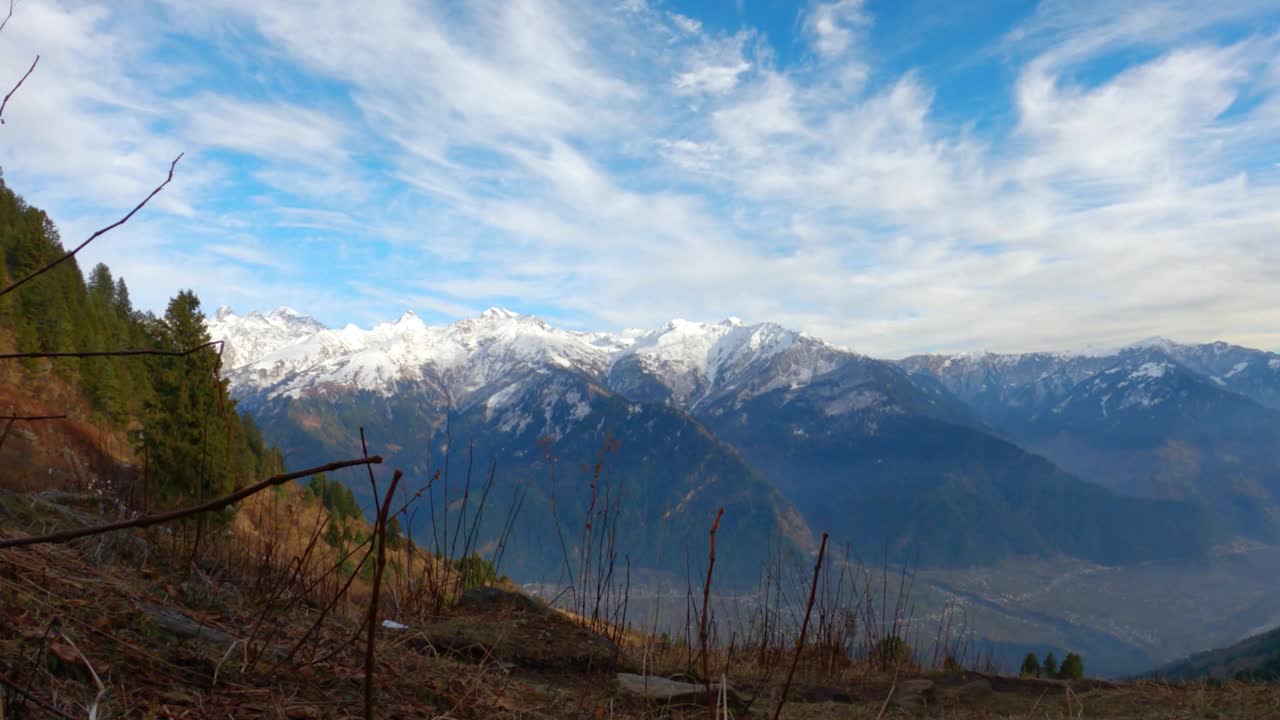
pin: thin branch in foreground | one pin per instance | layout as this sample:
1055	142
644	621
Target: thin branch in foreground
19	283
804	628
26	75
378	568
32	418
702	629
156	519
111	353
7	17
35	700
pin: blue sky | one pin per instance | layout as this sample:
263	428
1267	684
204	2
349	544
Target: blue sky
892	176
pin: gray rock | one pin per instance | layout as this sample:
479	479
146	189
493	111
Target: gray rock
492	597
175	622
912	694
674	692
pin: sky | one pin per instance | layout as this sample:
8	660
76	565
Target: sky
895	177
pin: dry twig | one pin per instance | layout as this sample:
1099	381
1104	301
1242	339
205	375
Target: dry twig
33	699
19	283
147	520
702	630
380	565
111	353
7	17
31	69
804	627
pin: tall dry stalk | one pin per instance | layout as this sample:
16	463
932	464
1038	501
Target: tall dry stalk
804	627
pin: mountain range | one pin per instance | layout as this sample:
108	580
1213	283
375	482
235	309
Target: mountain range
1156	451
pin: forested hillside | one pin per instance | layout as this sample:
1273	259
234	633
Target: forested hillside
184	432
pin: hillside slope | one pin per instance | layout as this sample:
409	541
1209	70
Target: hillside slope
1255	658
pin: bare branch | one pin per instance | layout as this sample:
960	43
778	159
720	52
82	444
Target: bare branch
804	628
702	628
96	235
32	418
15	87
6	17
37	701
378	569
110	353
148	520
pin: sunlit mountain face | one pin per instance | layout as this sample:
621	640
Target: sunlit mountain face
1113	457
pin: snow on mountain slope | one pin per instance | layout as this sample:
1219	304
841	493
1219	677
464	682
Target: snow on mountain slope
461	358
255	335
691	365
692	362
994	381
283	353
1122	387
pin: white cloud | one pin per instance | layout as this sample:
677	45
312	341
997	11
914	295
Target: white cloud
275	131
715	65
1145	124
685	23
833	25
622	166
711	78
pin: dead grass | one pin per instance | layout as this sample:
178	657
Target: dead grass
62	612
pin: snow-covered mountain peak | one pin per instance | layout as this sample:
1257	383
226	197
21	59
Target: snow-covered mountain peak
698	360
254	335
1154	343
497	313
408	323
461	357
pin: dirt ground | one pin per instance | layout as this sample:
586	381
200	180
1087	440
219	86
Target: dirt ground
134	638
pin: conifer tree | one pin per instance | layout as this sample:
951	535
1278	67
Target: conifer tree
185	428
192	440
1072	667
1050	666
1030	666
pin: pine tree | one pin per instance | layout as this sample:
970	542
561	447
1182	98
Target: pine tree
1050	666
332	535
188	423
1072	667
1030	666
317	486
191	439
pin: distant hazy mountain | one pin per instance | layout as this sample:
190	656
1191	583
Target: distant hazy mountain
1156	419
1254	374
1255	658
757	417
874	457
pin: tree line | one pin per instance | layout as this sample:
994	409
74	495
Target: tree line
185	430
1072	667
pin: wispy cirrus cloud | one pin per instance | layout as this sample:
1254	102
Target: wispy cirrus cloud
615	165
